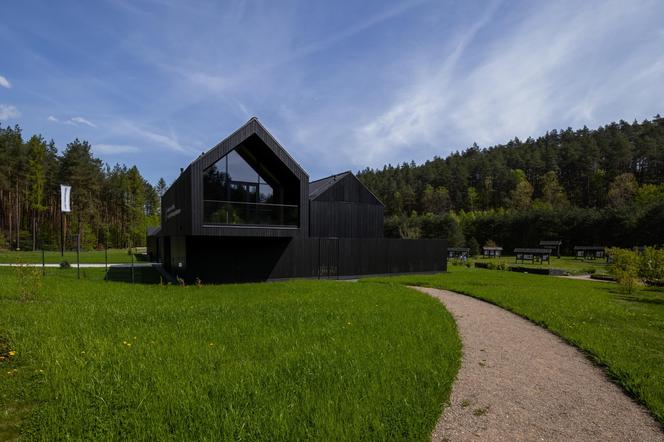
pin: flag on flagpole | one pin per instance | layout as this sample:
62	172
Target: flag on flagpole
65	193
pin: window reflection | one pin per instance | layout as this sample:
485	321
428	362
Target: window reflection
235	193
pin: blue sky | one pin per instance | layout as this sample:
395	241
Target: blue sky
342	85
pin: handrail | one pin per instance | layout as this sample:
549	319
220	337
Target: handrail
251	204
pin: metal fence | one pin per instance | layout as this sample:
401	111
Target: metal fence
129	265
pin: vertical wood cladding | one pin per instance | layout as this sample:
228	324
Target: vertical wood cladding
186	193
345	209
233	259
176	208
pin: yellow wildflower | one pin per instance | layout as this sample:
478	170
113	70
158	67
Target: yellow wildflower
211	344
12	353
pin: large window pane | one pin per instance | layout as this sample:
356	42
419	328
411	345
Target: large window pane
215	182
239	170
266	193
234	193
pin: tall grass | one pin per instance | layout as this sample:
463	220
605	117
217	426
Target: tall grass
276	361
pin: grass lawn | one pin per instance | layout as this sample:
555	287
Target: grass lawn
275	361
624	333
115	256
566	263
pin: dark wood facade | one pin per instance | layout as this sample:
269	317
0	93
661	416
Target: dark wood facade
182	204
338	230
234	259
341	206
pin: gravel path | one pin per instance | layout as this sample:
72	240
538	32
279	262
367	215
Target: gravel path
519	382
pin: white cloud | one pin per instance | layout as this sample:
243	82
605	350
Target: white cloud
8	112
556	67
81	120
4	82
75	121
115	148
127	128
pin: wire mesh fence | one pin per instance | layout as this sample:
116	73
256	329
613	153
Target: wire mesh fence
126	264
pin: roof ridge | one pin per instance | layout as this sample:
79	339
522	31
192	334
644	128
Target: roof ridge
331	176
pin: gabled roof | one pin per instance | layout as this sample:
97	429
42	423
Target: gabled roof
319	186
318	190
250	128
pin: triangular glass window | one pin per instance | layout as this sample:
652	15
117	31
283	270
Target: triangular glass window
235	193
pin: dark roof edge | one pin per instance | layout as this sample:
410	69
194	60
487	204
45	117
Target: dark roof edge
332	182
254	120
331	176
279	144
369	190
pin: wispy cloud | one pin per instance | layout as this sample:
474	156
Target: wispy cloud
555	67
4	82
418	111
81	120
151	137
111	149
342	84
74	121
8	112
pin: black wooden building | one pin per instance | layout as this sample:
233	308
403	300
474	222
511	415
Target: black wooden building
246	211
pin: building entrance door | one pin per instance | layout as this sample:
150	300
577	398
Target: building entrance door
328	258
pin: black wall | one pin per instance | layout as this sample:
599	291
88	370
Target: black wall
347	209
218	260
345	220
176	206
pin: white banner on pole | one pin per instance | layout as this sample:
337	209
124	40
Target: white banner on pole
65	193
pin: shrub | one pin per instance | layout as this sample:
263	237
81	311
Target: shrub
651	266
625	268
497	265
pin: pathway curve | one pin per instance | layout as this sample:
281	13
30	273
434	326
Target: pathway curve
518	381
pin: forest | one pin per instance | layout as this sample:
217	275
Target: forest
111	206
585	187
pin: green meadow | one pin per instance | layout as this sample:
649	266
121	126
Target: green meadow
294	360
89	359
622	332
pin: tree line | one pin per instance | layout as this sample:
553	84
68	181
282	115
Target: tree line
602	186
112	206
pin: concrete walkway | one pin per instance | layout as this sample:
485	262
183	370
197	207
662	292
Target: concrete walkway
586	278
517	382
